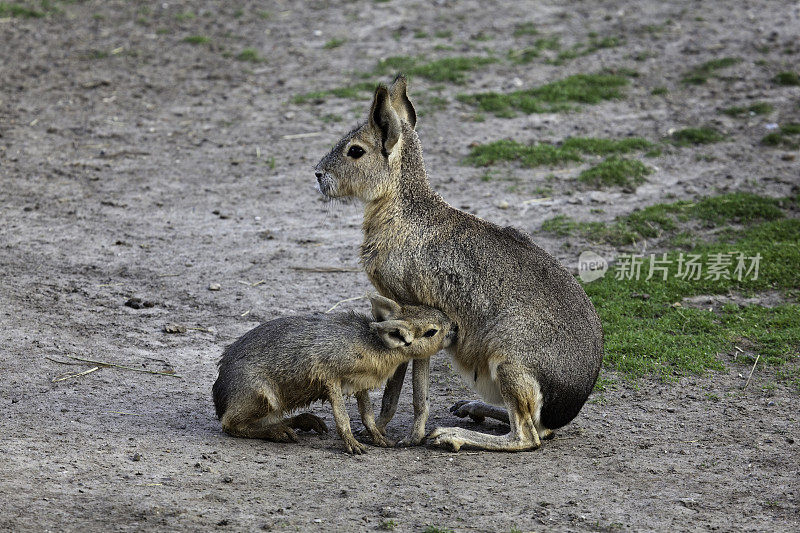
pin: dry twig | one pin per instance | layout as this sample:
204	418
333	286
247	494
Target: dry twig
74	374
344	301
751	372
115	365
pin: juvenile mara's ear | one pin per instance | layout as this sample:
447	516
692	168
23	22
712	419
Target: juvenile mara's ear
383	308
384	119
393	333
400	101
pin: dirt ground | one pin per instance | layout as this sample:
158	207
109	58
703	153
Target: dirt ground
133	164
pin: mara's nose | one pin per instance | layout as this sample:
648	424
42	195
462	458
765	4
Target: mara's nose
318	174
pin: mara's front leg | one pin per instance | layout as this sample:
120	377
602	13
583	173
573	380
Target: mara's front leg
343	419
368	418
391	395
420	379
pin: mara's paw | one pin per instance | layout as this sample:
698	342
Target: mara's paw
364	432
411	440
379	439
468	408
283	434
445	438
309	422
354	447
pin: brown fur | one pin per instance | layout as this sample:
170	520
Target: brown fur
288	363
529	338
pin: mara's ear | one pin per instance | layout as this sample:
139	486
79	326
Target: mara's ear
383	308
384	119
400	101
393	333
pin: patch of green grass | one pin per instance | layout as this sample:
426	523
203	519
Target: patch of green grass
758	108
197	39
599	146
594	44
560	225
787	78
435	529
534	155
184	16
658	221
525	28
356	91
334	43
659	91
654	336
448	69
9	9
694	136
528	54
552	97
249	54
791	128
443	34
700	74
388	525
616	170
527	155
781	137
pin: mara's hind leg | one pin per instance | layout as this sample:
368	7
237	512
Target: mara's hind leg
307	422
479	411
256	415
523	400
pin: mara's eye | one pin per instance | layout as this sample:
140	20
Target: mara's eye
355	151
431	332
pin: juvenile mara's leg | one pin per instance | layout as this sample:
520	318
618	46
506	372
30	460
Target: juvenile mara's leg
521	394
343	419
391	395
368	417
479	411
255	415
421	377
307	422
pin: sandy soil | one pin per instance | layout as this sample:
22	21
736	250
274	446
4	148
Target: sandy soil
133	164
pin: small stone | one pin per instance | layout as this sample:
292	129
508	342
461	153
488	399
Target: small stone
227	479
175	328
670	409
136	457
640	296
214	287
138	303
502	204
788	157
790	440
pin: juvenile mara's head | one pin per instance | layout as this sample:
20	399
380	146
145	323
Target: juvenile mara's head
417	330
365	164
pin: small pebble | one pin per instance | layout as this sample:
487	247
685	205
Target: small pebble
175	328
138	303
227	479
214	287
136	457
